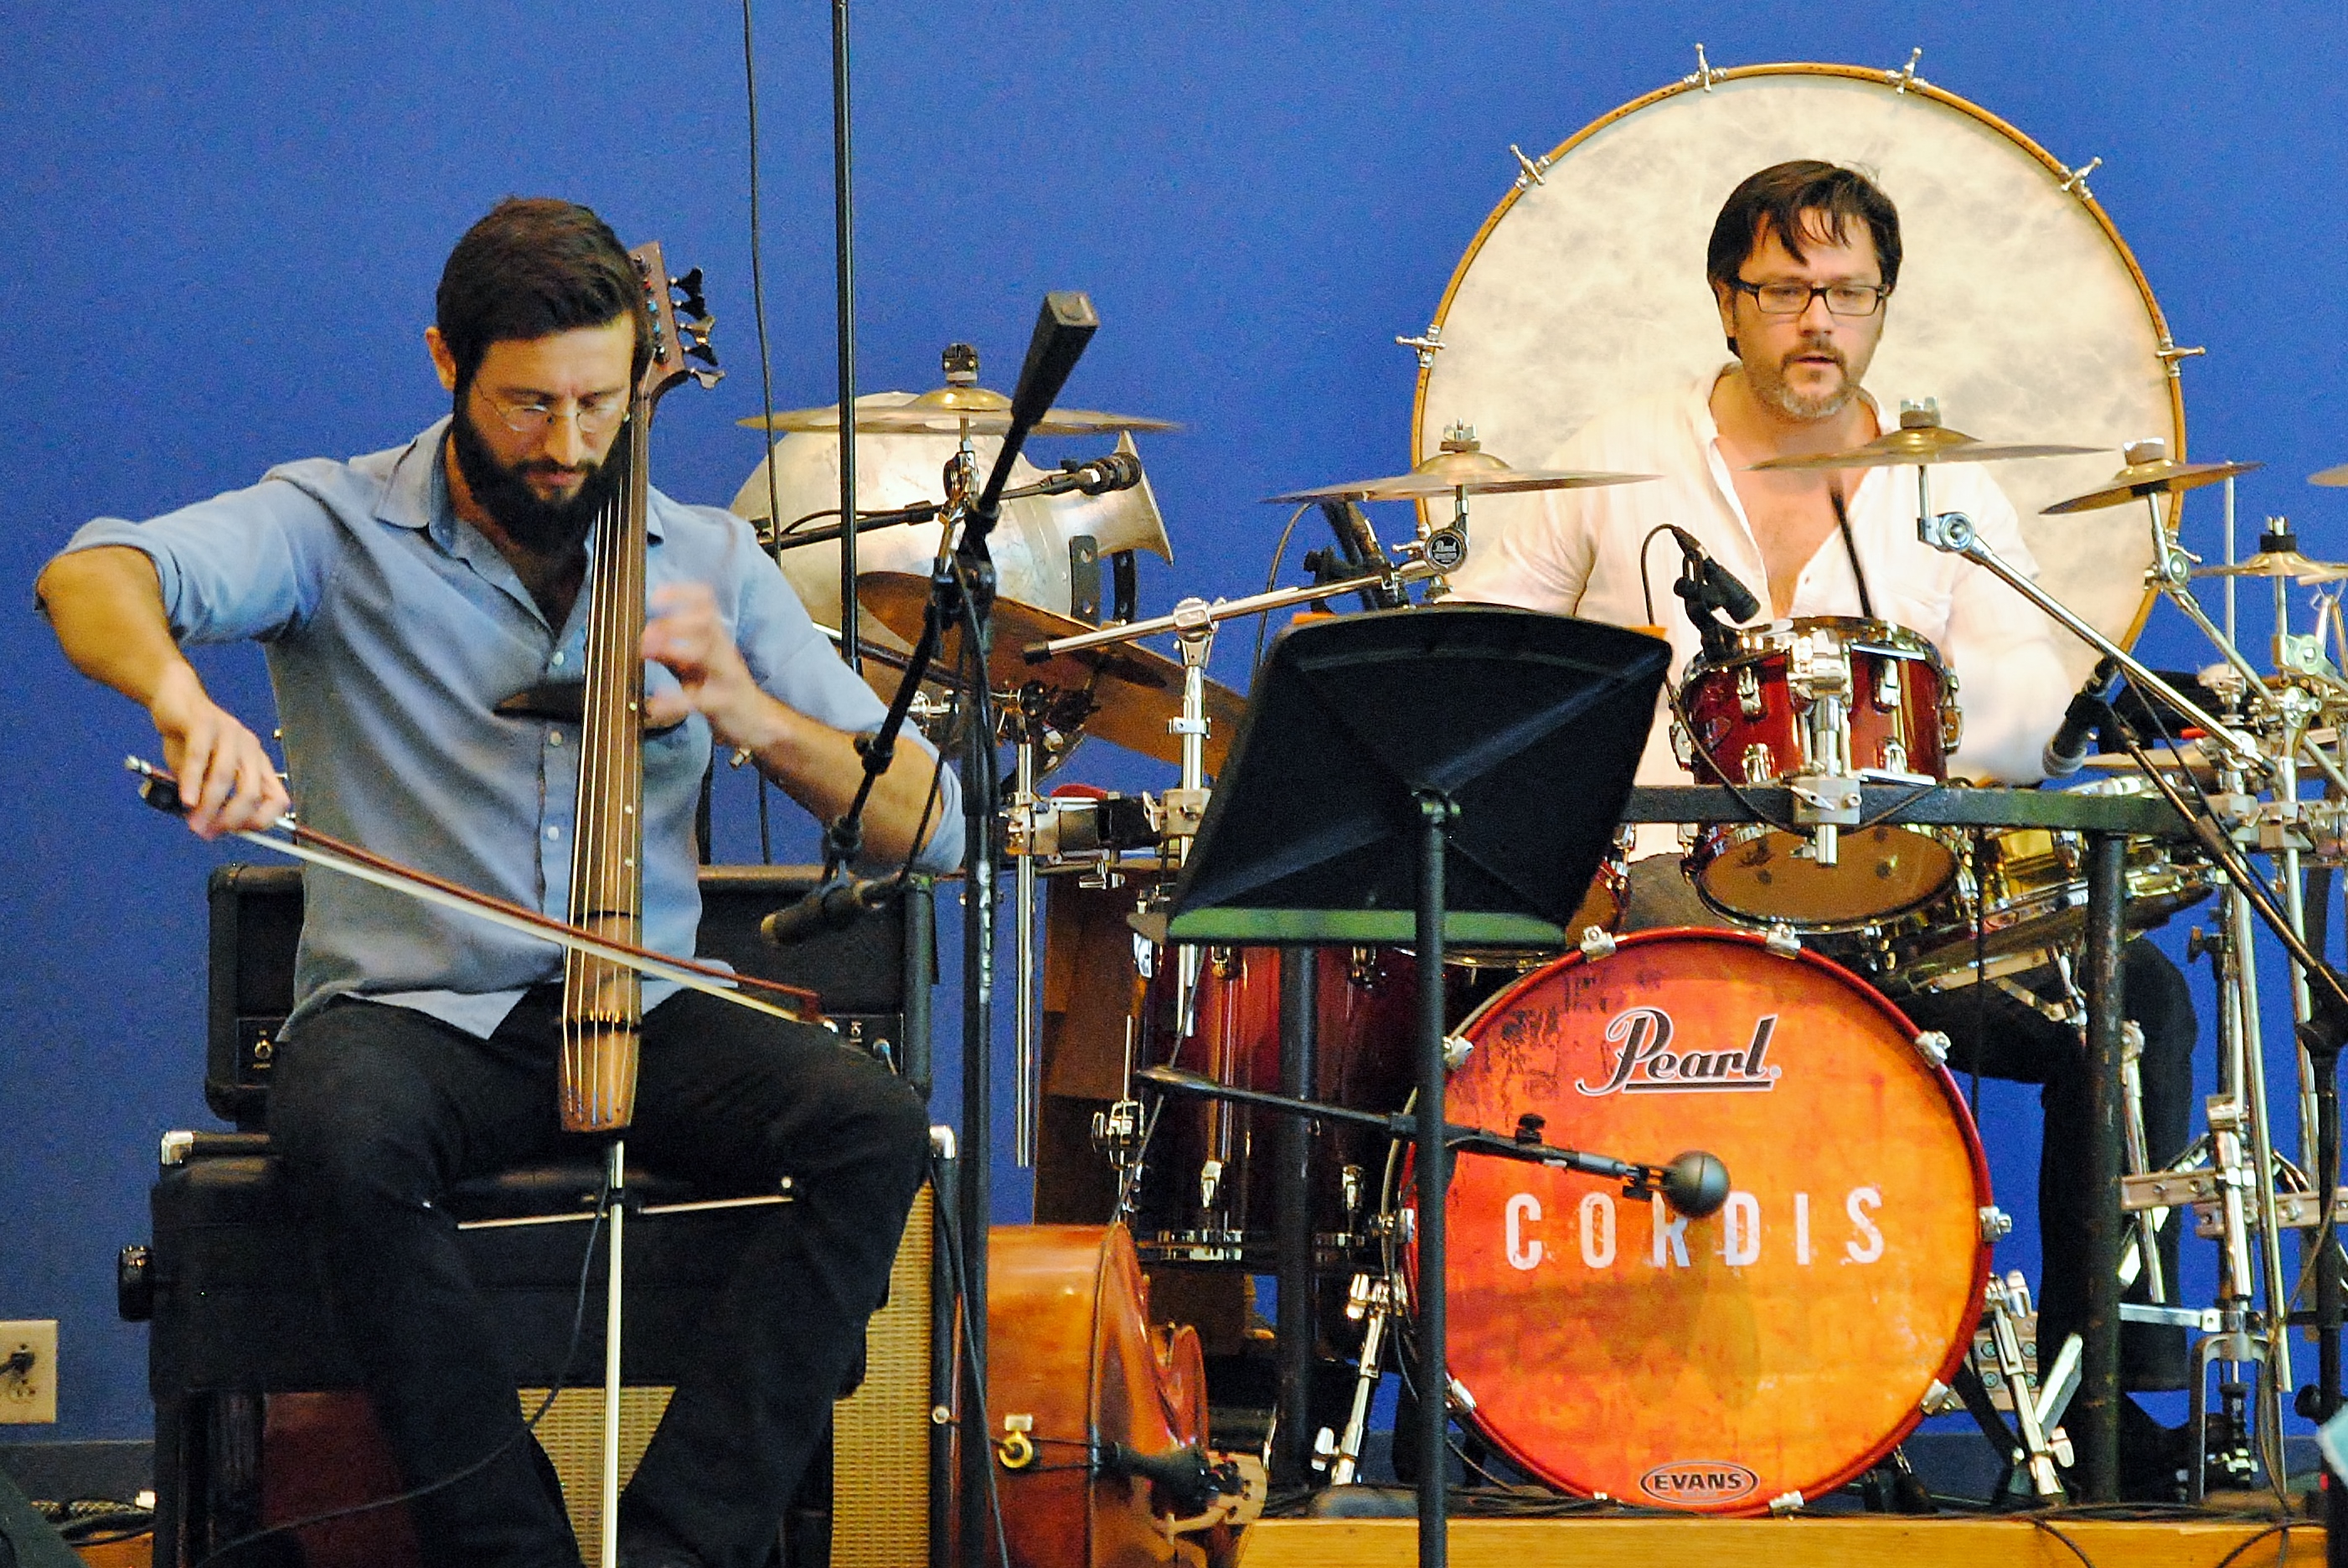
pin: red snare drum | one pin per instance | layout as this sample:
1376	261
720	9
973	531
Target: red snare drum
1786	1343
1767	713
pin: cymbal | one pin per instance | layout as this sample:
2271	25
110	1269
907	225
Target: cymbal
1462	466
2151	470
2279	564
2332	477
1921	438
1133	690
947	411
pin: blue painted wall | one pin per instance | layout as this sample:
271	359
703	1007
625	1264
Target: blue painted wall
224	223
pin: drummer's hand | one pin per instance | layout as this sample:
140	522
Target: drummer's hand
226	781
687	636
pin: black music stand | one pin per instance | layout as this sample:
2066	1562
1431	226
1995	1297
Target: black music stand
1431	777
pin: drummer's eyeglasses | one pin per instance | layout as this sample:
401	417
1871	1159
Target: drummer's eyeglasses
1793	299
593	414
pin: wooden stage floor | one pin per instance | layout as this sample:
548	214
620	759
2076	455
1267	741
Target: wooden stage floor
1863	1540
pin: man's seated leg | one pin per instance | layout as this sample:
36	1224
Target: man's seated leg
376	1110
736	1102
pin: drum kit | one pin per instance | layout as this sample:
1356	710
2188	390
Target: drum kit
1836	1299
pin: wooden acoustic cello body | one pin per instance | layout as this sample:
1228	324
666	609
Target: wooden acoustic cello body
1075	1364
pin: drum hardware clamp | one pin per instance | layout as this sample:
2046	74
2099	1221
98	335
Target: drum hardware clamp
1535	169
2075	179
1427	345
1704	72
1597	943
1996	1225
1783	940
1906	77
1932	1045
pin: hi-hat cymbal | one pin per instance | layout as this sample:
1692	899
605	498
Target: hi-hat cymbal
1921	438
2278	563
1462	466
945	411
2149	470
1132	691
2332	477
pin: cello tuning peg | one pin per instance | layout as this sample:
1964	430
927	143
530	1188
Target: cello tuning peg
688	284
707	377
699	349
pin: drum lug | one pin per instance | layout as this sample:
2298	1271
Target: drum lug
1933	1046
1887	692
1784	1503
1457	1049
1597	943
1759	764
1782	941
1748	692
1940	1400
1682	746
1461	1399
1996	1225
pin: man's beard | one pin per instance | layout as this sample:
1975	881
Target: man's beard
1770	384
542	527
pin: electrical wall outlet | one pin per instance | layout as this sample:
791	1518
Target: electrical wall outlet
28	1371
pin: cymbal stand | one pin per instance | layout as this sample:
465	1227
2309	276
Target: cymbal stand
1027	1087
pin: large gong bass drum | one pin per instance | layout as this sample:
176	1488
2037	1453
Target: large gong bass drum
2019	308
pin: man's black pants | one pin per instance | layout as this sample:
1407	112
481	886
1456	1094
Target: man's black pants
378	1109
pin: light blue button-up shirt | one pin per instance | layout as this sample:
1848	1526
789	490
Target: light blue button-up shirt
393	627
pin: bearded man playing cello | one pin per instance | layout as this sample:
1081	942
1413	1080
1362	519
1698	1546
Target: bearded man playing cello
400	598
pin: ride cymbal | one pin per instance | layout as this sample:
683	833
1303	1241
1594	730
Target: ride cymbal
2149	470
1921	438
1462	466
2279	564
1127	692
948	409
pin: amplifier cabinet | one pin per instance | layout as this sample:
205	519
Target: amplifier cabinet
873	975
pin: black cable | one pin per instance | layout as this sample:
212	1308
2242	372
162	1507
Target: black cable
1272	581
2038	1523
765	368
561	1378
1646	588
1849	547
974	1362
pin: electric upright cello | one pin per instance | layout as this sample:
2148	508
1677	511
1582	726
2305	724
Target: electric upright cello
602	1005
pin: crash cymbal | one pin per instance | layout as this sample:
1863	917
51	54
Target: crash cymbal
2279	564
2332	477
1462	466
1132	691
2149	470
1921	438
945	411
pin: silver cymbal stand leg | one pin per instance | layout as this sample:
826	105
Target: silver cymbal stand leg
1184	806
1370	1300
2235	1343
1027	1087
615	1176
2248	1087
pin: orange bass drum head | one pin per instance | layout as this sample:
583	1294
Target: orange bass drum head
1782	1344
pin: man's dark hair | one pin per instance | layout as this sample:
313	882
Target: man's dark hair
533	267
1779	195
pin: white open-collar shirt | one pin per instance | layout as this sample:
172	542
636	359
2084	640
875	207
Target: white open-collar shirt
1577	552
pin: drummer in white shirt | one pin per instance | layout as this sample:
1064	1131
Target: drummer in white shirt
1802	262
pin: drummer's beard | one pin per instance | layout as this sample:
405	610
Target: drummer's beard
1770	384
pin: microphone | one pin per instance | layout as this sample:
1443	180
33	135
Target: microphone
1720	588
2066	749
1363	552
1098	476
1696	1183
1182	1476
833	908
